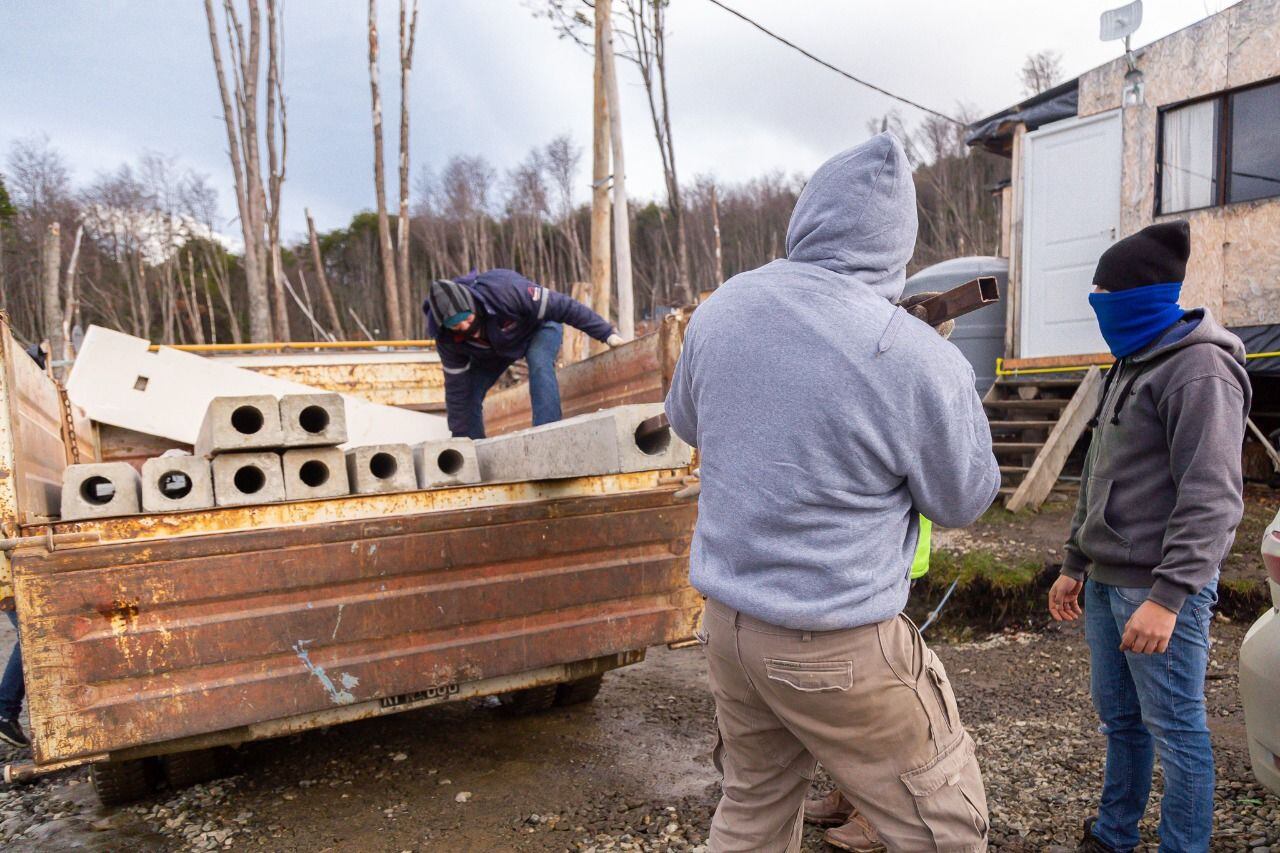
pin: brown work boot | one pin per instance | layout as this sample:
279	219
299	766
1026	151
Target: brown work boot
831	810
858	835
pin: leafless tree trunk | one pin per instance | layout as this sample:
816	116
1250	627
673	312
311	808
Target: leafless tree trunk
649	31
50	264
718	254
275	168
242	147
408	36
326	294
71	307
391	291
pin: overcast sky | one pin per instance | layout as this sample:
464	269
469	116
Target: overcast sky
109	79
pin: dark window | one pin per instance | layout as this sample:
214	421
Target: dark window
1188	157
1219	150
1255	144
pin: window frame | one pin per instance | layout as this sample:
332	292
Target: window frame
1222	155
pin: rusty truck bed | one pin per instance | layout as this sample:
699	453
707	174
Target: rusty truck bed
176	626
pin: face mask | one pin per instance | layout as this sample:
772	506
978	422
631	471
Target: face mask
1131	319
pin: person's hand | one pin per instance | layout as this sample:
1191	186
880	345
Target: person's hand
1064	599
615	340
1148	630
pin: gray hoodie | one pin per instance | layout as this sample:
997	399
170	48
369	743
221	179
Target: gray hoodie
1162	490
826	417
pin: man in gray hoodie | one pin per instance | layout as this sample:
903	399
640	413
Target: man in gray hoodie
1160	499
828	419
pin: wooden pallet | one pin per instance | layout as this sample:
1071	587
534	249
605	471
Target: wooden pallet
1035	423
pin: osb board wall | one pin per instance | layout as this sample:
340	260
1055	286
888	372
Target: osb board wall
1235	255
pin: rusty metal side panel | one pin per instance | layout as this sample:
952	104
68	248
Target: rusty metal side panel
137	642
637	372
36	449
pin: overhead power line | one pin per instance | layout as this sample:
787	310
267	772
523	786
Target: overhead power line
839	71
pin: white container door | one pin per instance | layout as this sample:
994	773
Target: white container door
1071	215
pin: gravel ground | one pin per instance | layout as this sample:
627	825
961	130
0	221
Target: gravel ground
630	771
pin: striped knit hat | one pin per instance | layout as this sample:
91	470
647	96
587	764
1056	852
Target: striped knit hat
449	301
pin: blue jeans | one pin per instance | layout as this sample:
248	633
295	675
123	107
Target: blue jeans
12	690
1150	703
544	388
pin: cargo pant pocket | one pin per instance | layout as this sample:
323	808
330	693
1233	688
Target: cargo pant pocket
940	686
950	799
811	676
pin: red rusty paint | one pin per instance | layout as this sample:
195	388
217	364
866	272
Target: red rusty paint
130	643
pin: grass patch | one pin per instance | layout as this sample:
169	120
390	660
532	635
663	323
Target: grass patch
976	566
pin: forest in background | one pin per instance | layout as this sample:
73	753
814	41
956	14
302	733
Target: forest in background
143	249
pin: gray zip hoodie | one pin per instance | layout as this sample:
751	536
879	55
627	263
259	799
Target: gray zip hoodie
1162	491
827	417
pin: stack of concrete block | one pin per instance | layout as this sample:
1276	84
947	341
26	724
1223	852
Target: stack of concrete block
265	450
610	441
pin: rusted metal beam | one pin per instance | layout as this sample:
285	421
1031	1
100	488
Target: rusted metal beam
958	301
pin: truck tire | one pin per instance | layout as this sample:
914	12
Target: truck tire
531	700
184	769
120	782
579	692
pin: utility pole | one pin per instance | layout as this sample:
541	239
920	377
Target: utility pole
600	255
621	216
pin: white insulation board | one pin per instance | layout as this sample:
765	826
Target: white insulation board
118	381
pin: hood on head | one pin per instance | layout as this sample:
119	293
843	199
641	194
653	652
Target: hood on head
1196	327
857	216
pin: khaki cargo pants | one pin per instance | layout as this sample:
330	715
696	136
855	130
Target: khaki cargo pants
872	703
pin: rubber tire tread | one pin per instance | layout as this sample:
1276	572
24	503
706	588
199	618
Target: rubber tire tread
184	769
118	783
531	700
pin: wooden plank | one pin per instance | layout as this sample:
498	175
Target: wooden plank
1048	463
1027	405
1083	361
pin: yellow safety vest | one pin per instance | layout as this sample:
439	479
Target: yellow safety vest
920	565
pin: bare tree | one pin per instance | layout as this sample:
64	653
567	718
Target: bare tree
391	291
408	36
241	119
51	261
1041	71
276	154
326	293
561	159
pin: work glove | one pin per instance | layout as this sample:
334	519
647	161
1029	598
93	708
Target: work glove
945	328
615	340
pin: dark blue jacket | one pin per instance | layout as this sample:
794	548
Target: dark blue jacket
512	308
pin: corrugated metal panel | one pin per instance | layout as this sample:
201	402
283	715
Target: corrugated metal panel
638	372
153	639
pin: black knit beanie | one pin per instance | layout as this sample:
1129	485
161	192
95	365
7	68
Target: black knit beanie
1155	255
447	298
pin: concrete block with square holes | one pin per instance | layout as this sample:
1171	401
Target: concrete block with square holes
235	424
173	483
609	441
311	473
313	420
377	468
451	462
240	479
99	490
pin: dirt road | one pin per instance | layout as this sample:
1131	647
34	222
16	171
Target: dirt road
630	771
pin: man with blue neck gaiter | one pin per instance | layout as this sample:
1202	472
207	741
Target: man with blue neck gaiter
1160	499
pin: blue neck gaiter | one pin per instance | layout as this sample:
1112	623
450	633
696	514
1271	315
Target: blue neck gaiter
1131	319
